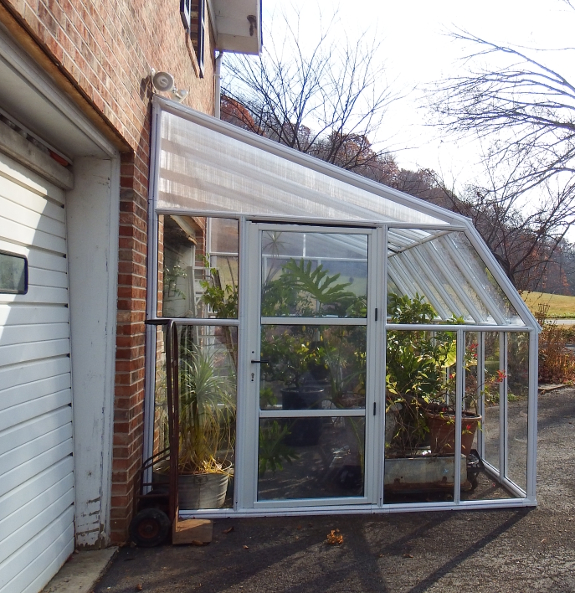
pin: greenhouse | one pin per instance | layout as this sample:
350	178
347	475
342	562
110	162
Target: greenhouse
336	346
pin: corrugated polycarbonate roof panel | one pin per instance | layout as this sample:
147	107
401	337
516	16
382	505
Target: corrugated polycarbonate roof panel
448	272
202	169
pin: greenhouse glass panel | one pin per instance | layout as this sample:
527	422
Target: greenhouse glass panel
517	378
313	367
196	284
207	403
328	462
314	274
494	371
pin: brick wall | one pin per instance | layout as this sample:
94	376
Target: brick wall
104	51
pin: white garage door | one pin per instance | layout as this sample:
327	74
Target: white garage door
36	463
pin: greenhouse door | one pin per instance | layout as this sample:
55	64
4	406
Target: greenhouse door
311	409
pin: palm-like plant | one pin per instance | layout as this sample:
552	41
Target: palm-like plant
207	414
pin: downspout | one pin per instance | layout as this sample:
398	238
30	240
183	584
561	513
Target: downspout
217	85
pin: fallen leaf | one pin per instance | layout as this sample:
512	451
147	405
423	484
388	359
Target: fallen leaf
139	587
334	538
228	530
407	556
246	547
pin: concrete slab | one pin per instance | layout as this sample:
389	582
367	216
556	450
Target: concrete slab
81	572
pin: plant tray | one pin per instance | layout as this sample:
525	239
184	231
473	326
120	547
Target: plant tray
423	474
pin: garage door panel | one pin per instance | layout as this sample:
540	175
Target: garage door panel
22	313
37	258
33	371
22	196
22	334
36	221
19	570
48	277
36	486
28	392
22	205
38	518
34	466
36	435
38	294
46	260
18	456
14	172
24	235
37	350
44	294
12	418
56	561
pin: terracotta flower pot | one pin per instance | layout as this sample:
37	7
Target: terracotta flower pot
442	432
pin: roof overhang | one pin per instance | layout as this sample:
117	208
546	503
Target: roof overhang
237	25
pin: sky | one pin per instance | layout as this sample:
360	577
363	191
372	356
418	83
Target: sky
418	50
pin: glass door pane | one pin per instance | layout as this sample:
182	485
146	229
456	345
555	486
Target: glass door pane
313	352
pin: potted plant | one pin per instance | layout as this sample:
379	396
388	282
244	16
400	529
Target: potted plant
416	373
420	388
206	430
440	412
420	394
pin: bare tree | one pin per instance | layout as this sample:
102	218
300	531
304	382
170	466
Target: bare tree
524	241
526	108
325	99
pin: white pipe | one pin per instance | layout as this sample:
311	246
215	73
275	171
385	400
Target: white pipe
217	90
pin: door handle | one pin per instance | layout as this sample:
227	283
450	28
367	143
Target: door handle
263	361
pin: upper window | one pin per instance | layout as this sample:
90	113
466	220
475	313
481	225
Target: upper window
193	14
13	273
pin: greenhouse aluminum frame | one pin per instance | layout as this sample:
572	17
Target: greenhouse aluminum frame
203	167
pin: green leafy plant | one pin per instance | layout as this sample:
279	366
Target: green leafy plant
298	353
222	300
273	451
223	303
170	278
307	291
417	376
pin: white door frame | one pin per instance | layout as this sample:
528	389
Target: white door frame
248	410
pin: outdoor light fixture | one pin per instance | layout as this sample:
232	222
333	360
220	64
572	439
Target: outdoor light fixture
164	82
178	95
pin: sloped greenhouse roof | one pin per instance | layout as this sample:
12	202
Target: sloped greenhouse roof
208	167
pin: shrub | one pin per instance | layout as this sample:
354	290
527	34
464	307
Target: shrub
556	362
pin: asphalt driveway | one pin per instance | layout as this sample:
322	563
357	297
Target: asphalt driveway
493	551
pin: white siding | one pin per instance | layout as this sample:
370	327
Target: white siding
36	463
